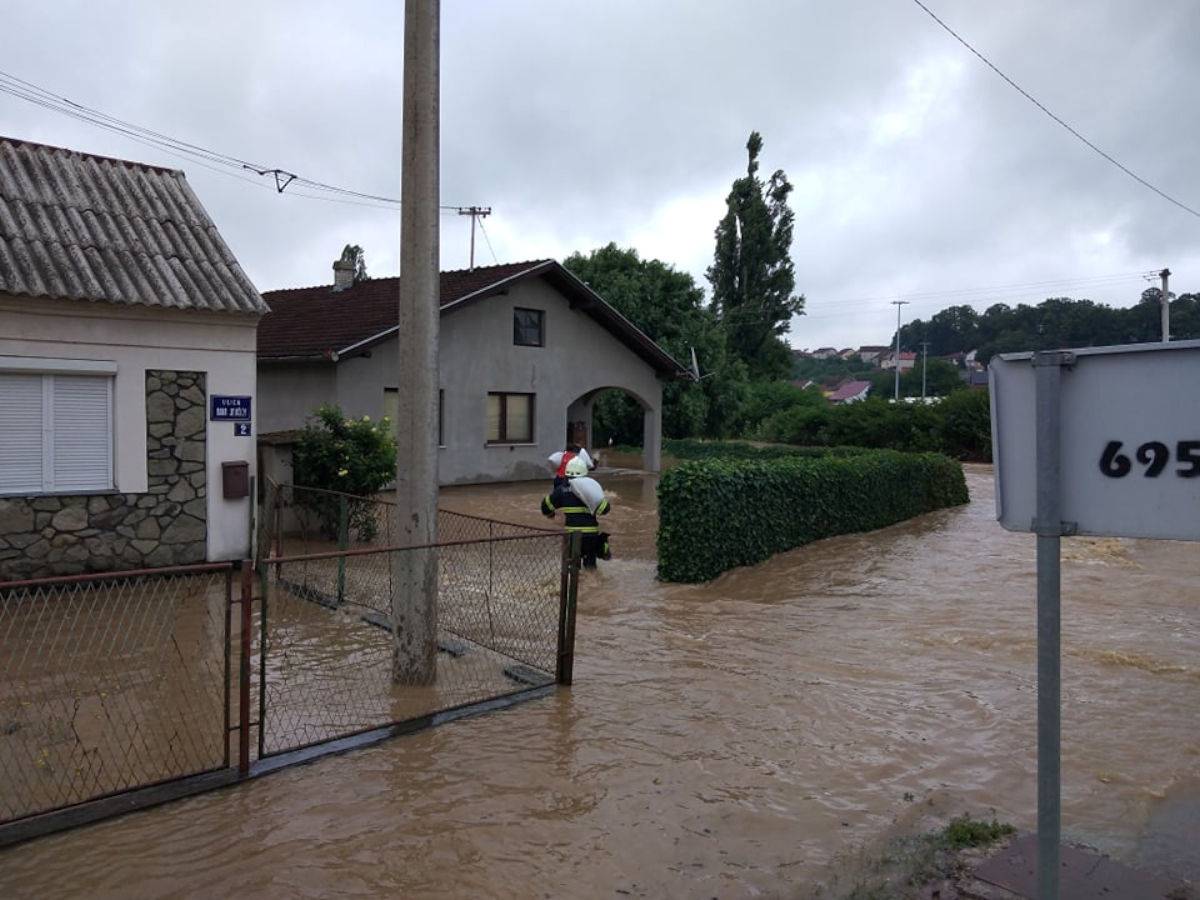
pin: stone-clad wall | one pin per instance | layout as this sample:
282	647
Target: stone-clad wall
165	526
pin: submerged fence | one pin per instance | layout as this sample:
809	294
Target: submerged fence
125	689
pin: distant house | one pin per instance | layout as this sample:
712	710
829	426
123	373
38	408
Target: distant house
525	349
824	352
907	360
850	392
978	379
848	353
871	353
124	314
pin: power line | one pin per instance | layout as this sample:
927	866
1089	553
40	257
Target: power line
197	154
1024	93
483	231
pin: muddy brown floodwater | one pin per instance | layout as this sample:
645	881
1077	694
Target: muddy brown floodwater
732	739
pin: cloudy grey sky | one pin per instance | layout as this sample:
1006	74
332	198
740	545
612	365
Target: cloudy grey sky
918	172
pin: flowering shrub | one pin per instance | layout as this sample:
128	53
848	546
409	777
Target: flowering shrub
352	456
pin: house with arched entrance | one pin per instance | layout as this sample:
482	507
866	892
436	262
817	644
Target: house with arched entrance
525	349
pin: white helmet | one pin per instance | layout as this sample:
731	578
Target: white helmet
576	467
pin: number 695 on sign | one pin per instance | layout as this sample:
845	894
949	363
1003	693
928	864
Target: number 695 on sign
1154	456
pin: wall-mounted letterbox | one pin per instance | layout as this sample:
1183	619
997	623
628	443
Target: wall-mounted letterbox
235	480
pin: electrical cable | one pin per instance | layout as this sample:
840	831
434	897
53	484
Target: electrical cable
207	158
483	231
1024	93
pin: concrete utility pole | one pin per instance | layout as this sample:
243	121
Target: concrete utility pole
924	366
1165	275
896	358
415	572
475	212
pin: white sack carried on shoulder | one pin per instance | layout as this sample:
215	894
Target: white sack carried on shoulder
588	490
555	459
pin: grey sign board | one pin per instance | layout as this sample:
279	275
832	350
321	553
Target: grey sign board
1129	419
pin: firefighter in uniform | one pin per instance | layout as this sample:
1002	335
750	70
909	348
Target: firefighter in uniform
579	518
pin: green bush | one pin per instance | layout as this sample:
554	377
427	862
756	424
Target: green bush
351	456
716	515
690	448
957	425
965	431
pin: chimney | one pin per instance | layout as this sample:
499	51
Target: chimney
343	275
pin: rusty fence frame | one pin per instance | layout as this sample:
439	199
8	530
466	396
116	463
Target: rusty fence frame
245	766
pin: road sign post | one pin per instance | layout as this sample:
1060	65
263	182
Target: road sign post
1099	441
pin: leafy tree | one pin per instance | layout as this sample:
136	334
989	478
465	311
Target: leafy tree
353	253
669	307
1056	322
752	274
768	398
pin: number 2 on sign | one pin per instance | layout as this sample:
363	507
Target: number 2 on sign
1154	455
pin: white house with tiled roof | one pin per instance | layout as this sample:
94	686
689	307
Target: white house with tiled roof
125	318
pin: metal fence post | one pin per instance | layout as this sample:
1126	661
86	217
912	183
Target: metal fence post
1049	529
278	526
244	670
343	543
568	598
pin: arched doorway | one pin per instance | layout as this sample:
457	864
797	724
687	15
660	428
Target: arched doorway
616	417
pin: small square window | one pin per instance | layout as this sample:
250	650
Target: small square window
527	327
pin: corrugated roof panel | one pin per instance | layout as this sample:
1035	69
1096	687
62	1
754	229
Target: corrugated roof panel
80	226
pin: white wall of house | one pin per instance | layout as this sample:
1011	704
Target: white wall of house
136	339
477	356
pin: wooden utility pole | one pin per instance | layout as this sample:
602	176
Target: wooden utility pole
475	212
415	572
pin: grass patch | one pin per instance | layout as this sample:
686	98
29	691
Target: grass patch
908	864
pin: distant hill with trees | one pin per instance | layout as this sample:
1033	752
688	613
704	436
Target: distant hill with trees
1055	323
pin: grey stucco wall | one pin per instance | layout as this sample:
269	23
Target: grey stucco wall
477	355
167	525
289	392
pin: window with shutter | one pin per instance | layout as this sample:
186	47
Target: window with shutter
55	433
20	434
82	433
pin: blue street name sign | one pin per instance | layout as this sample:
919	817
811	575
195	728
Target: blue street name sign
229	409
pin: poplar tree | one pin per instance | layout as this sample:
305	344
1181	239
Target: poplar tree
752	275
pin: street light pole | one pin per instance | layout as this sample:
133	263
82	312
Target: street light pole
896	355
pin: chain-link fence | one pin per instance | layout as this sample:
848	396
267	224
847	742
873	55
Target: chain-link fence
297	520
110	683
125	689
328	640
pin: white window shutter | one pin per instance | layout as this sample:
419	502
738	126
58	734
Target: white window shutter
20	434
82	418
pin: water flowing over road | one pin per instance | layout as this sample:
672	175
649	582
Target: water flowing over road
730	739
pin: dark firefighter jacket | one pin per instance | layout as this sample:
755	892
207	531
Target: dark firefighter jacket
562	499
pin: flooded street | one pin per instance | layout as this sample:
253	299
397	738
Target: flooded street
731	739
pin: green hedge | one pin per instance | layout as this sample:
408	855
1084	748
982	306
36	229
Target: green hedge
690	448
715	515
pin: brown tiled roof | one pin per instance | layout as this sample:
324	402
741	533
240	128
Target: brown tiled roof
848	389
307	323
84	227
312	321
